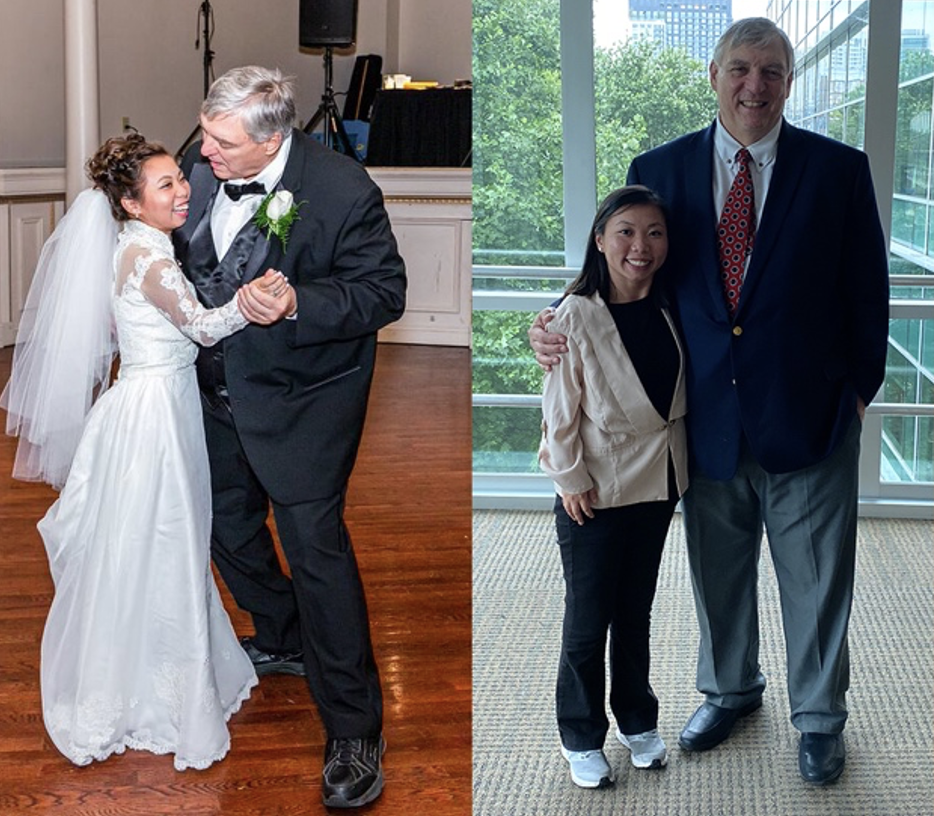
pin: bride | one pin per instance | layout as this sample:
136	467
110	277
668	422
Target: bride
137	650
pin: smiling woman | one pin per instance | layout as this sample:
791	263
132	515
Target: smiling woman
162	198
635	243
136	623
613	442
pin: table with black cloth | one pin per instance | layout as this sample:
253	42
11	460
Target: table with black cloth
420	128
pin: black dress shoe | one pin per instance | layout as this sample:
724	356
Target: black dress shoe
353	771
711	724
821	757
272	663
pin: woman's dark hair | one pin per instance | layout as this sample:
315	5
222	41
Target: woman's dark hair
595	275
117	168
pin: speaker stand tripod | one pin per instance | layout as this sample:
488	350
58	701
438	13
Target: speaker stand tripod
206	17
335	135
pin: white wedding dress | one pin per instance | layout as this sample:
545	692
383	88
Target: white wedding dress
138	651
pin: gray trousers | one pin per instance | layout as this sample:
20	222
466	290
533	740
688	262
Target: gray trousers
810	521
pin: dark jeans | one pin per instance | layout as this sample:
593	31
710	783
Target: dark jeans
610	572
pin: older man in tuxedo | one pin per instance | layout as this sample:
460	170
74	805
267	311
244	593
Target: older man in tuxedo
778	274
284	406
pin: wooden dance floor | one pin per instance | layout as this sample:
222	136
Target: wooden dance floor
409	516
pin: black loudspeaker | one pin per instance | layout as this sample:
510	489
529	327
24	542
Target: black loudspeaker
327	23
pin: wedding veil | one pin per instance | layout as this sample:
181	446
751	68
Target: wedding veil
65	344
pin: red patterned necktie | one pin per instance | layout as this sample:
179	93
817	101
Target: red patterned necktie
736	231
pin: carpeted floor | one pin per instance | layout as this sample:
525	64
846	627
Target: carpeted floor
518	771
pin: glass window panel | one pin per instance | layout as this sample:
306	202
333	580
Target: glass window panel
901	373
839	13
643	99
835	124
518	203
912	292
913	138
793	106
823	13
645	95
517	182
917	30
906	449
908	227
838	75
518	284
808	102
857	60
502	359
854	124
822	80
505	439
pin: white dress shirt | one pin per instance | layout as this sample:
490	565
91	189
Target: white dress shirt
725	166
228	216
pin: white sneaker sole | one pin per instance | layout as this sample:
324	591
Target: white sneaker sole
651	765
604	781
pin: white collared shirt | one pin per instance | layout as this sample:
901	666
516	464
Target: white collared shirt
228	216
725	167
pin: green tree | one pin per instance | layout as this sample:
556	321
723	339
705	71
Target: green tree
517	188
644	96
913	64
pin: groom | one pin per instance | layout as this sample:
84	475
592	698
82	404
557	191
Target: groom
284	405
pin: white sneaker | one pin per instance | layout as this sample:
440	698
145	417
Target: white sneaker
589	769
648	750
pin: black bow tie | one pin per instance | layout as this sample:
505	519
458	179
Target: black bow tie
236	191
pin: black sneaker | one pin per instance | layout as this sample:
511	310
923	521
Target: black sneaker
353	772
272	663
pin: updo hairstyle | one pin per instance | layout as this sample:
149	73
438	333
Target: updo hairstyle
117	169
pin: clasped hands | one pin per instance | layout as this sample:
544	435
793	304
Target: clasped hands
267	299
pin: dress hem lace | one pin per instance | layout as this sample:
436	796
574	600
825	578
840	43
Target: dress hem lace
82	758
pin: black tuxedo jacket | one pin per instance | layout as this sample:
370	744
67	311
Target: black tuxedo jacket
810	332
298	389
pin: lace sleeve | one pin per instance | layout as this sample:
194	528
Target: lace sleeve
162	283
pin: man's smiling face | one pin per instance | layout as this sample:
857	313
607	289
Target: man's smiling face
752	85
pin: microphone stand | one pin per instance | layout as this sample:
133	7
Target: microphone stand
206	17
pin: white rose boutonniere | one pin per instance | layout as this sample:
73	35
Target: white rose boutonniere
276	214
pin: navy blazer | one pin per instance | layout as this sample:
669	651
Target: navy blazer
298	389
810	331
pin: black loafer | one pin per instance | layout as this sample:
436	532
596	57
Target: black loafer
273	663
353	772
711	724
821	757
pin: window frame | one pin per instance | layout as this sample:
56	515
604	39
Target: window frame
528	491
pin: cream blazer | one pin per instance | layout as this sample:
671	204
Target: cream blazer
599	428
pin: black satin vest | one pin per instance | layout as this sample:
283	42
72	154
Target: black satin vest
216	284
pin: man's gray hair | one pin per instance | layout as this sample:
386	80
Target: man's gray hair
263	98
754	32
